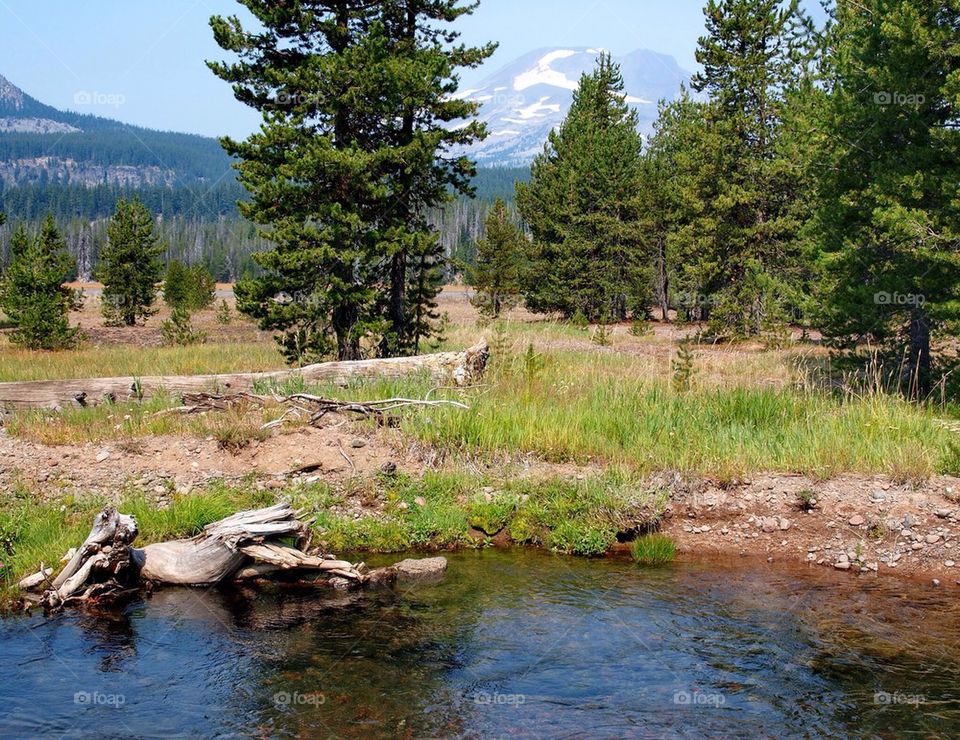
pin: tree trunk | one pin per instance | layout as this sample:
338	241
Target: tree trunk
455	368
920	361
664	283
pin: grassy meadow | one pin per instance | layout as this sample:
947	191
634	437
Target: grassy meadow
554	393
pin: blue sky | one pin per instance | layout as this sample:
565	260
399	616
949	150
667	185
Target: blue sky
142	61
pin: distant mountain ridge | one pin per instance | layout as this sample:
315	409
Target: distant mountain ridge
40	144
521	103
524	100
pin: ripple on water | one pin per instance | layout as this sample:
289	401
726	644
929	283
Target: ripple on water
511	642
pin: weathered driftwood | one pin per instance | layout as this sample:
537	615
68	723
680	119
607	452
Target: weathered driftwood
458	368
248	545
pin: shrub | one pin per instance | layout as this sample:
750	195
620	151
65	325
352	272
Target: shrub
179	331
191	288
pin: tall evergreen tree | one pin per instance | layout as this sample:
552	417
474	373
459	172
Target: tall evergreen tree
889	216
130	265
422	155
746	223
352	149
32	290
582	207
497	273
667	190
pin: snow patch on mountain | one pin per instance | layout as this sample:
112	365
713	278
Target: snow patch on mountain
527	98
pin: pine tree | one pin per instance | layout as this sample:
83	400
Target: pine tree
422	170
889	215
130	265
746	195
32	291
667	190
496	275
582	208
356	99
188	288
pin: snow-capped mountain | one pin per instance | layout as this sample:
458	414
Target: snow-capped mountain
523	101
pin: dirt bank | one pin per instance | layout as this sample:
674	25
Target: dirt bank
860	524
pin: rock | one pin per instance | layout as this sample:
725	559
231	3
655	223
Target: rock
936	581
103	455
877	497
909	520
842	565
275	484
916	546
417	568
389	468
943	513
932	539
856	520
784	524
948	563
358	443
873	566
420	501
403	506
769	524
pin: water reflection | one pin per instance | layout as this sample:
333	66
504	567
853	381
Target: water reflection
509	643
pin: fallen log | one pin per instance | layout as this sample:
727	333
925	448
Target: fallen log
459	368
253	544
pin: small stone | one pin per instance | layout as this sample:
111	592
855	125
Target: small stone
784	524
412	569
873	566
102	455
916	546
420	501
856	520
358	443
949	563
403	506
943	513
842	565
932	539
909	520
936	581
275	484
769	524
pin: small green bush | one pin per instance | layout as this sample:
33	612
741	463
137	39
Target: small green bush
653	549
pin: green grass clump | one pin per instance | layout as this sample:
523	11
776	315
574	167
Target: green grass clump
653	549
439	511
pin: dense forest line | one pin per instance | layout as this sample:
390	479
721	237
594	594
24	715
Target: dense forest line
201	224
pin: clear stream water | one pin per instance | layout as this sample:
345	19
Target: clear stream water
509	643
